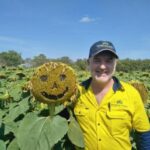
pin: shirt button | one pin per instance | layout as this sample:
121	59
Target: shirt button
99	139
98	124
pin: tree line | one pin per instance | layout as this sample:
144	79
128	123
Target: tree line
13	58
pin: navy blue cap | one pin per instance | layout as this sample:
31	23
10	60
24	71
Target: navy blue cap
102	46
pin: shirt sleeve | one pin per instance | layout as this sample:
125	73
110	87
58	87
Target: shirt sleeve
142	140
140	118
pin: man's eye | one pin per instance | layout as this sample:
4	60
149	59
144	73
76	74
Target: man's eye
109	60
96	60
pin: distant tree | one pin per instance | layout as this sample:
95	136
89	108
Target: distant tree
39	60
128	65
81	64
10	58
66	60
28	62
144	65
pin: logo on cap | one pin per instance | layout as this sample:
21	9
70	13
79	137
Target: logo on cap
104	44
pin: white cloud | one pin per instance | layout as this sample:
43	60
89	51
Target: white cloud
86	19
10	39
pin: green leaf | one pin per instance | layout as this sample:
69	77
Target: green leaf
75	134
2	145
15	92
13	145
2	112
11	127
59	108
15	111
41	132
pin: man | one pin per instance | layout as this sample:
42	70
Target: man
108	109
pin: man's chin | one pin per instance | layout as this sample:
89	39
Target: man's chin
102	79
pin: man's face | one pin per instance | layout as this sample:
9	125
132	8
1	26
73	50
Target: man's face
102	67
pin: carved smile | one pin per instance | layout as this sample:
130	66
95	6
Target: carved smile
51	96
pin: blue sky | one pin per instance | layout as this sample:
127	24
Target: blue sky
60	28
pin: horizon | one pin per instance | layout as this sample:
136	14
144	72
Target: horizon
71	58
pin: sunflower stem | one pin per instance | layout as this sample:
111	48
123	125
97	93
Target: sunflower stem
51	108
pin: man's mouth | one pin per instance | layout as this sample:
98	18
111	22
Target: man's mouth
100	72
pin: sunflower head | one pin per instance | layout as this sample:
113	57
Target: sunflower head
141	88
54	82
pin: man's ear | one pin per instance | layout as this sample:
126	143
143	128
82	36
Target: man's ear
116	61
88	61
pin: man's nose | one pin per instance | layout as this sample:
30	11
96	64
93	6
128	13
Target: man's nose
102	65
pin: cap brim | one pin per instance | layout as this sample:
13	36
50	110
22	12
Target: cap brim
109	50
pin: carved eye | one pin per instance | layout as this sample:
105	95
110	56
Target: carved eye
62	77
43	78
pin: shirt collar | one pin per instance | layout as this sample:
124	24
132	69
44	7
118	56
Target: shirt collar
116	86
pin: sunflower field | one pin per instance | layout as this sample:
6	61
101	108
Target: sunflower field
29	124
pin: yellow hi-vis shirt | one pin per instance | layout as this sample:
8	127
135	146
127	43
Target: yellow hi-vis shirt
107	126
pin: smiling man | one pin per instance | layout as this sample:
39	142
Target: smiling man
108	109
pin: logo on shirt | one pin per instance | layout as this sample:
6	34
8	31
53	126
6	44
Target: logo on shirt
119	102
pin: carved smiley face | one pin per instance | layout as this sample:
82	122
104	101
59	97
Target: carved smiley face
54	83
